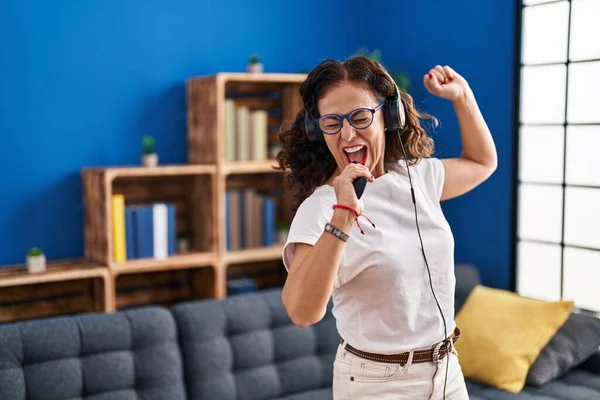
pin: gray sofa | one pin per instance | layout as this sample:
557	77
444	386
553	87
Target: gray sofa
244	347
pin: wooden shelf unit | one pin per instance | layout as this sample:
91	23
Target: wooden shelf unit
206	97
167	281
66	287
197	189
152	280
190	187
206	108
166	287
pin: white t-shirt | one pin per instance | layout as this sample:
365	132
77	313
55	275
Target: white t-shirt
382	297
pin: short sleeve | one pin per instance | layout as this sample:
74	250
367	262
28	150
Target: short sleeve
434	174
308	223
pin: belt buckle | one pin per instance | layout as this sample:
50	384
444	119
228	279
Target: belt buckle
436	353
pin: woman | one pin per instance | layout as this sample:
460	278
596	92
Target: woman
386	260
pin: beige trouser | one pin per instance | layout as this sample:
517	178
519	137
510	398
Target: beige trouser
355	378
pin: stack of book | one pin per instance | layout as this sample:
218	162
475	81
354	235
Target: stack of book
250	219
143	230
246	133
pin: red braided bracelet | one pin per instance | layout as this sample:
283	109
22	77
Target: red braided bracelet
356	213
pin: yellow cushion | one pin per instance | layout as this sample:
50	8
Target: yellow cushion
502	333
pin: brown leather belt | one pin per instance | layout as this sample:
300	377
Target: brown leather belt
435	355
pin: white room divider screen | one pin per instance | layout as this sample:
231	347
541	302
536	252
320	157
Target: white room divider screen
558	133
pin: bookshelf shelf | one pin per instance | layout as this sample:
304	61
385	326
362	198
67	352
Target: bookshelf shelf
254	255
18	275
249	167
190	191
179	261
158	171
189	188
206	95
277	78
67	286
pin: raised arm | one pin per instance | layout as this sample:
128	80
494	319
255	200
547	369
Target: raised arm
478	159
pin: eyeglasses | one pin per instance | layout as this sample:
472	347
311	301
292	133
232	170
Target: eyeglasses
360	118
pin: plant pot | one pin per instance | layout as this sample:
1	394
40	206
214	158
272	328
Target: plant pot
150	160
36	264
256	68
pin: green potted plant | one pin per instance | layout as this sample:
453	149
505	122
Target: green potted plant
36	260
254	64
149	156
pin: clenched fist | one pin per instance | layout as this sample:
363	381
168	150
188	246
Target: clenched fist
444	82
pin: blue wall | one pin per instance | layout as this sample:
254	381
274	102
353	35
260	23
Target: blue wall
476	38
81	82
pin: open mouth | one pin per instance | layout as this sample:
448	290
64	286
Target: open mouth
356	154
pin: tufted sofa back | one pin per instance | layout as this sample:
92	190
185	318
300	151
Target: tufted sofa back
124	356
247	348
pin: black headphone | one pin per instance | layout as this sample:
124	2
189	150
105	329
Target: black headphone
393	115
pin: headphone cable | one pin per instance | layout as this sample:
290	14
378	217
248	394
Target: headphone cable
412	193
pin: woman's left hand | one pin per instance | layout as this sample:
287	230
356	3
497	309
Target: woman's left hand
444	82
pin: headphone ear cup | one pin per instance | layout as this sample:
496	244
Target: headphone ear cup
401	113
392	120
312	130
394	115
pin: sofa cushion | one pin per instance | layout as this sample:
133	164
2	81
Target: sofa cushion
246	347
121	356
574	342
503	333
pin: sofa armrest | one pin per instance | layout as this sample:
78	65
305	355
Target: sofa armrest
592	364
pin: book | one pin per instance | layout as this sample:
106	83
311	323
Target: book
118	228
171	229
250	219
144	225
230	129
151	230
268	222
242	126
130	233
160	231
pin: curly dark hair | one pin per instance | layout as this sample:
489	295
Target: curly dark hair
309	165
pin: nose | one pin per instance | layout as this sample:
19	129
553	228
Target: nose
348	133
